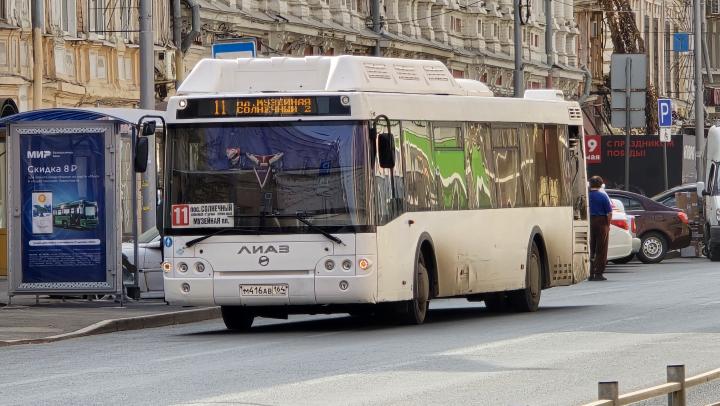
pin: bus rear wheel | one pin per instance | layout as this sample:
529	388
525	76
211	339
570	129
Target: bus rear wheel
528	299
415	310
237	318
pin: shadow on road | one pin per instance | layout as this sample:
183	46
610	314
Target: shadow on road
346	323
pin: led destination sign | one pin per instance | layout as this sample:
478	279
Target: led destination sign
228	107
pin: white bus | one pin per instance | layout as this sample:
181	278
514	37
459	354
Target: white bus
367	185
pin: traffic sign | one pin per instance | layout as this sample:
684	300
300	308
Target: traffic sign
665	134
233	50
664	112
681	42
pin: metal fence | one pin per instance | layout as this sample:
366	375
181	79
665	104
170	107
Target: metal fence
674	389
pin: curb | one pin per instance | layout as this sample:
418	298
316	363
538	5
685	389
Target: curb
126	324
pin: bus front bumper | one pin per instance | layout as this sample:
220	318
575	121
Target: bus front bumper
224	289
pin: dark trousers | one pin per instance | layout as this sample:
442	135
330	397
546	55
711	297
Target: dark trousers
599	233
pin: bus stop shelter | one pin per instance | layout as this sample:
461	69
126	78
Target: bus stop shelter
70	198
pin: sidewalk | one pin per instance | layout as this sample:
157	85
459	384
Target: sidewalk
25	322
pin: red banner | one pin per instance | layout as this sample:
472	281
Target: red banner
593	149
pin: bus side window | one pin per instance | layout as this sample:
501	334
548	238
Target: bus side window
421	191
478	155
506	159
389	203
448	146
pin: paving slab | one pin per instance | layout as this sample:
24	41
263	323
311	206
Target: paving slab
28	319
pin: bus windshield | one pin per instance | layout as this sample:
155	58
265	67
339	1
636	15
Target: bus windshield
271	172
90	211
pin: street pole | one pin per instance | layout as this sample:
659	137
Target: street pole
147	55
699	89
518	74
147	101
549	46
38	26
628	71
376	25
177	40
665	172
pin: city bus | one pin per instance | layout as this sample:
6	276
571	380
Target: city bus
80	214
368	186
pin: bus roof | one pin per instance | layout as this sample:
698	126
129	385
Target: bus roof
346	73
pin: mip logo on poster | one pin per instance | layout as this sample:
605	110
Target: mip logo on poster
38	154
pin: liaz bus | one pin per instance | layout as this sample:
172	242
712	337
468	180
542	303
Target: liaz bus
367	185
76	214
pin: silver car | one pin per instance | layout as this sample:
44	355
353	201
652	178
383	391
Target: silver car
150	275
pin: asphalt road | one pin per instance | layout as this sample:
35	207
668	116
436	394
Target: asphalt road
627	329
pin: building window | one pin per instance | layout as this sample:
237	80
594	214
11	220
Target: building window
536	40
96	16
3	9
480	27
98	68
125	18
456	24
62	16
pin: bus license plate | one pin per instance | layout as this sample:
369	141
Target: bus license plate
263	290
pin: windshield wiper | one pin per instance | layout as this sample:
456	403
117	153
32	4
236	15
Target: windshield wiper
298	216
313	227
221	231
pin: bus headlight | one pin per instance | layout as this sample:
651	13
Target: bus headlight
364	264
717	215
167	267
347	264
182	267
182	103
329	264
199	267
345	100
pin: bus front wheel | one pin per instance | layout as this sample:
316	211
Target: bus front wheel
528	299
237	318
415	310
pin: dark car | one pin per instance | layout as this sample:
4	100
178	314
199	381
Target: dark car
668	197
660	228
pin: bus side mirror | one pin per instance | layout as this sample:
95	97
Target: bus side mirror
141	155
148	128
386	150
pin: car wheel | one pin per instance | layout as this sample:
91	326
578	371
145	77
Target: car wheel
623	260
653	248
528	299
415	310
237	318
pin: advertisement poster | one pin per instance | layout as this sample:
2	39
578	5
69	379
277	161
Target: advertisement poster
646	162
62	208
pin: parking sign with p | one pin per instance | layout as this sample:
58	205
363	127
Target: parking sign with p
664	112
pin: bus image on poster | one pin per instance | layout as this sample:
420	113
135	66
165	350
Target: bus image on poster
80	214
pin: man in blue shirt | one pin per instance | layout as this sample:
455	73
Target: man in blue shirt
600	216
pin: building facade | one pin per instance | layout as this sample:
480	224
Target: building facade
670	70
473	38
91	55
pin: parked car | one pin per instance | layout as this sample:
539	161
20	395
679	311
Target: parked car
667	197
150	275
620	240
626	222
660	228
